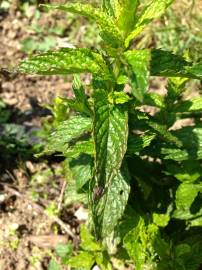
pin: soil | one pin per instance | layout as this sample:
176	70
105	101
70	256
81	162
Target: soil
19	90
27	233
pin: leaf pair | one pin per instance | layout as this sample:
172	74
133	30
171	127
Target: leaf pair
66	61
125	15
154	10
142	63
146	63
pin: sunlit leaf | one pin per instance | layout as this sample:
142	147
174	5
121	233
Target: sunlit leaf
81	168
196	70
154	99
138	241
83	259
109	32
109	209
107	7
85	147
152	11
67	131
53	265
191	105
185	196
139	60
125	11
110	139
66	61
88	242
73	196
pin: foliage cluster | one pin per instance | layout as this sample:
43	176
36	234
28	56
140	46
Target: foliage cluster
14	139
139	176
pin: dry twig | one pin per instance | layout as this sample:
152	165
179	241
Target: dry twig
39	208
64	184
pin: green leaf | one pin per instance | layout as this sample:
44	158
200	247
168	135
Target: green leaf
29	45
135	244
73	196
143	243
165	133
78	172
109	32
118	97
196	70
179	154
81	168
183	256
196	222
78	89
137	143
176	85
164	63
66	132
64	251
192	259
103	261
154	10
80	96
122	79
185	196
191	139
110	139
182	249
110	207
161	220
66	61
189	170
107	7
53	265
73	104
154	99
60	110
83	259
125	11
190	105
85	147
88	242
139	60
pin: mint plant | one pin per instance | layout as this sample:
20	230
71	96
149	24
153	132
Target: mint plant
140	177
